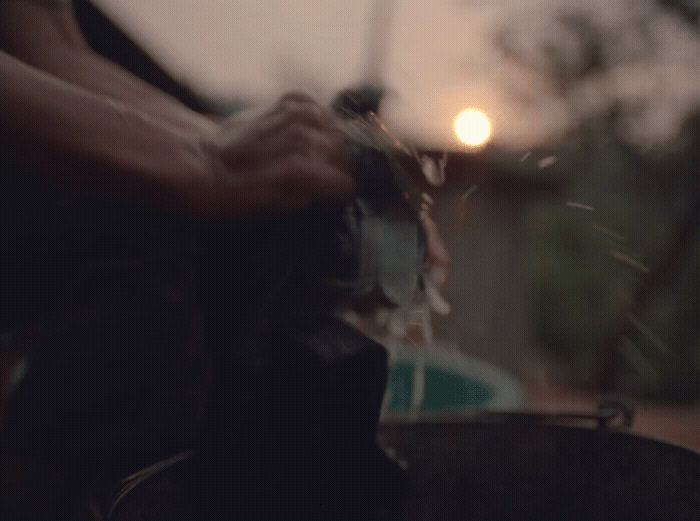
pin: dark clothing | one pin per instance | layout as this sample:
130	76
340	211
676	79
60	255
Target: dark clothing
112	376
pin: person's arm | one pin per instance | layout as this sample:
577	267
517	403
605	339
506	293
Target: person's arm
53	129
69	114
285	159
46	35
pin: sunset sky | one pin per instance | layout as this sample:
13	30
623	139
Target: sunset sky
442	57
257	50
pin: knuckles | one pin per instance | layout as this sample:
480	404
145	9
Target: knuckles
302	137
305	110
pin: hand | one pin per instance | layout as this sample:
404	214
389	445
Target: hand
287	158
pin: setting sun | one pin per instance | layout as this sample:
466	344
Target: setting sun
472	127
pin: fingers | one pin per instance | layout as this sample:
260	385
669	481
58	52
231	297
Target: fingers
286	159
295	125
299	138
298	107
294	183
303	126
313	181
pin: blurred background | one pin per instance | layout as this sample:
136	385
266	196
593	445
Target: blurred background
573	227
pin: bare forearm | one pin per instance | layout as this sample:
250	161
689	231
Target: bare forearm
50	40
87	69
68	114
88	140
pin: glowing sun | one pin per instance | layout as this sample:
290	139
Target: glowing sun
472	127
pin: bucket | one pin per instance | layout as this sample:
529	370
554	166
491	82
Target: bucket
423	380
520	466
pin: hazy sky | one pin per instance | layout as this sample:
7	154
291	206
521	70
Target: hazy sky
251	49
523	62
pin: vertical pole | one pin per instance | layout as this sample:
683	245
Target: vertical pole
378	40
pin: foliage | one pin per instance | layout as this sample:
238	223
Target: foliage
586	264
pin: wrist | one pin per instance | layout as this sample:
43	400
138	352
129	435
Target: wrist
203	194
